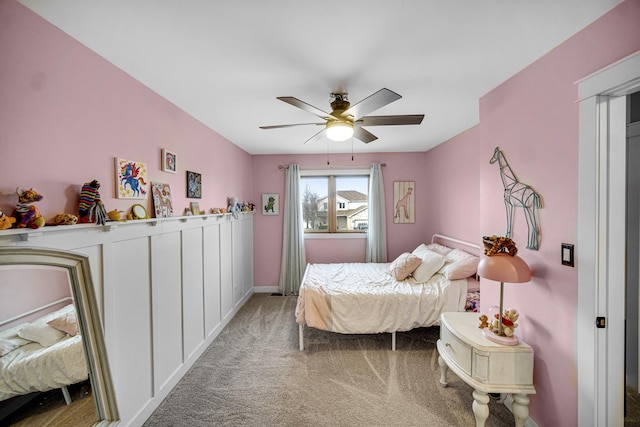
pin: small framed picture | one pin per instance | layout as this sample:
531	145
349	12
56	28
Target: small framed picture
195	208
169	161
194	185
270	204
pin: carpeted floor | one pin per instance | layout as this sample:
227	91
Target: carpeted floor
254	375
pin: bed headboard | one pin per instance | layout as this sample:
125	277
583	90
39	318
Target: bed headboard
452	242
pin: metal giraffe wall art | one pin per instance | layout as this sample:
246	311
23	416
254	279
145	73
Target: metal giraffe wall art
518	194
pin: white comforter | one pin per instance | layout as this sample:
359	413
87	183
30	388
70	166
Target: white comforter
35	368
361	298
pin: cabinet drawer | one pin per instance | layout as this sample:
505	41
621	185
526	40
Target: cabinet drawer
457	350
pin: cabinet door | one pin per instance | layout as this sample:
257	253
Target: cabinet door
248	254
238	261
211	256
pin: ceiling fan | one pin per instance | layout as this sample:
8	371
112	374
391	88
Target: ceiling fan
346	121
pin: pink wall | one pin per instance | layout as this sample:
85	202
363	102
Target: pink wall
533	118
65	113
268	229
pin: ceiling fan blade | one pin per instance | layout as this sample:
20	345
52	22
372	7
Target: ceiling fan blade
288	126
407	119
304	106
315	137
363	135
371	103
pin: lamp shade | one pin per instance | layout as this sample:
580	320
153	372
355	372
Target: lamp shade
339	131
503	267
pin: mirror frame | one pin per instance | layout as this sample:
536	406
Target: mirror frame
78	268
135	210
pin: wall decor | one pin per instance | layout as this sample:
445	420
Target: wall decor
270	204
195	208
169	161
404	205
131	179
194	185
162	202
517	194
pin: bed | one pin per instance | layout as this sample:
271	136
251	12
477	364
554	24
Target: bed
41	355
410	292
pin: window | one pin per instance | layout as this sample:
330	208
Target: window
334	203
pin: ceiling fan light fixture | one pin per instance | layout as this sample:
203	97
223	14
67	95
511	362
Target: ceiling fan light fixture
339	131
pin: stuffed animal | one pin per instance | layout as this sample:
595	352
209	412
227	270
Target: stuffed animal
509	322
234	207
483	321
65	219
496	244
90	208
6	221
26	214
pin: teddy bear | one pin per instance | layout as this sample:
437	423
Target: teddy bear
65	219
27	215
6	221
509	322
496	244
483	321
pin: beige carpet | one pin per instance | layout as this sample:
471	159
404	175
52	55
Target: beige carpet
254	375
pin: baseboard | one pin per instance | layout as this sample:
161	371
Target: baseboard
507	400
265	289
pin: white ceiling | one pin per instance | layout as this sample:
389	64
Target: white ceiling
225	61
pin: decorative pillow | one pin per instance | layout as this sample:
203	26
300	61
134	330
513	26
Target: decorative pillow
431	263
460	265
7	346
404	265
66	322
43	334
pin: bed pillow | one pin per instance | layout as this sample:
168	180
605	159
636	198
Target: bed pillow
43	334
438	248
431	263
404	265
65	322
460	265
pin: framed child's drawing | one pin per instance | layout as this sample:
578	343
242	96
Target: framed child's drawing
131	179
270	204
404	204
162	203
169	161
194	185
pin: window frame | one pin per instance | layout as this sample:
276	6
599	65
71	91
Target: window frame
331	175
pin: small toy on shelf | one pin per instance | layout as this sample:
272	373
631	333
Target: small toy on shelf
27	215
6	221
234	207
91	208
65	219
483	321
496	244
215	211
115	215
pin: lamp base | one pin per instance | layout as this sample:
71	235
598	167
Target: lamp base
492	336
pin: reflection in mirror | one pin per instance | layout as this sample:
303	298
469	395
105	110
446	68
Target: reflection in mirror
51	336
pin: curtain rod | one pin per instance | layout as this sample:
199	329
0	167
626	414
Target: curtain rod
329	167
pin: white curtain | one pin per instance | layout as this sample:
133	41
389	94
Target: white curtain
376	232
294	261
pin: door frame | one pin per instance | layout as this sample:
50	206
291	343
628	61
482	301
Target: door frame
600	256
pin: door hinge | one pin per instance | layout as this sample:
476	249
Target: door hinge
601	322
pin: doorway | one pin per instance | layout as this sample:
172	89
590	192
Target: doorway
632	293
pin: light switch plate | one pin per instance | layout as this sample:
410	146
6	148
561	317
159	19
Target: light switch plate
567	254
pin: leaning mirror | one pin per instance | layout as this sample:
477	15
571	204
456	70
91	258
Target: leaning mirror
51	334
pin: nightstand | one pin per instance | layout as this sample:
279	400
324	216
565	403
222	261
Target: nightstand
486	366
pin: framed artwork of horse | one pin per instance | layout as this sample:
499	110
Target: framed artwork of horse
404	202
131	179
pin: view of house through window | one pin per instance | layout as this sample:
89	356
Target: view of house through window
334	203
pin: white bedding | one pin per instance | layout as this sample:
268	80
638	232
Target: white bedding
361	298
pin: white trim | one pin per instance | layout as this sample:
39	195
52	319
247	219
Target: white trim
600	258
266	289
